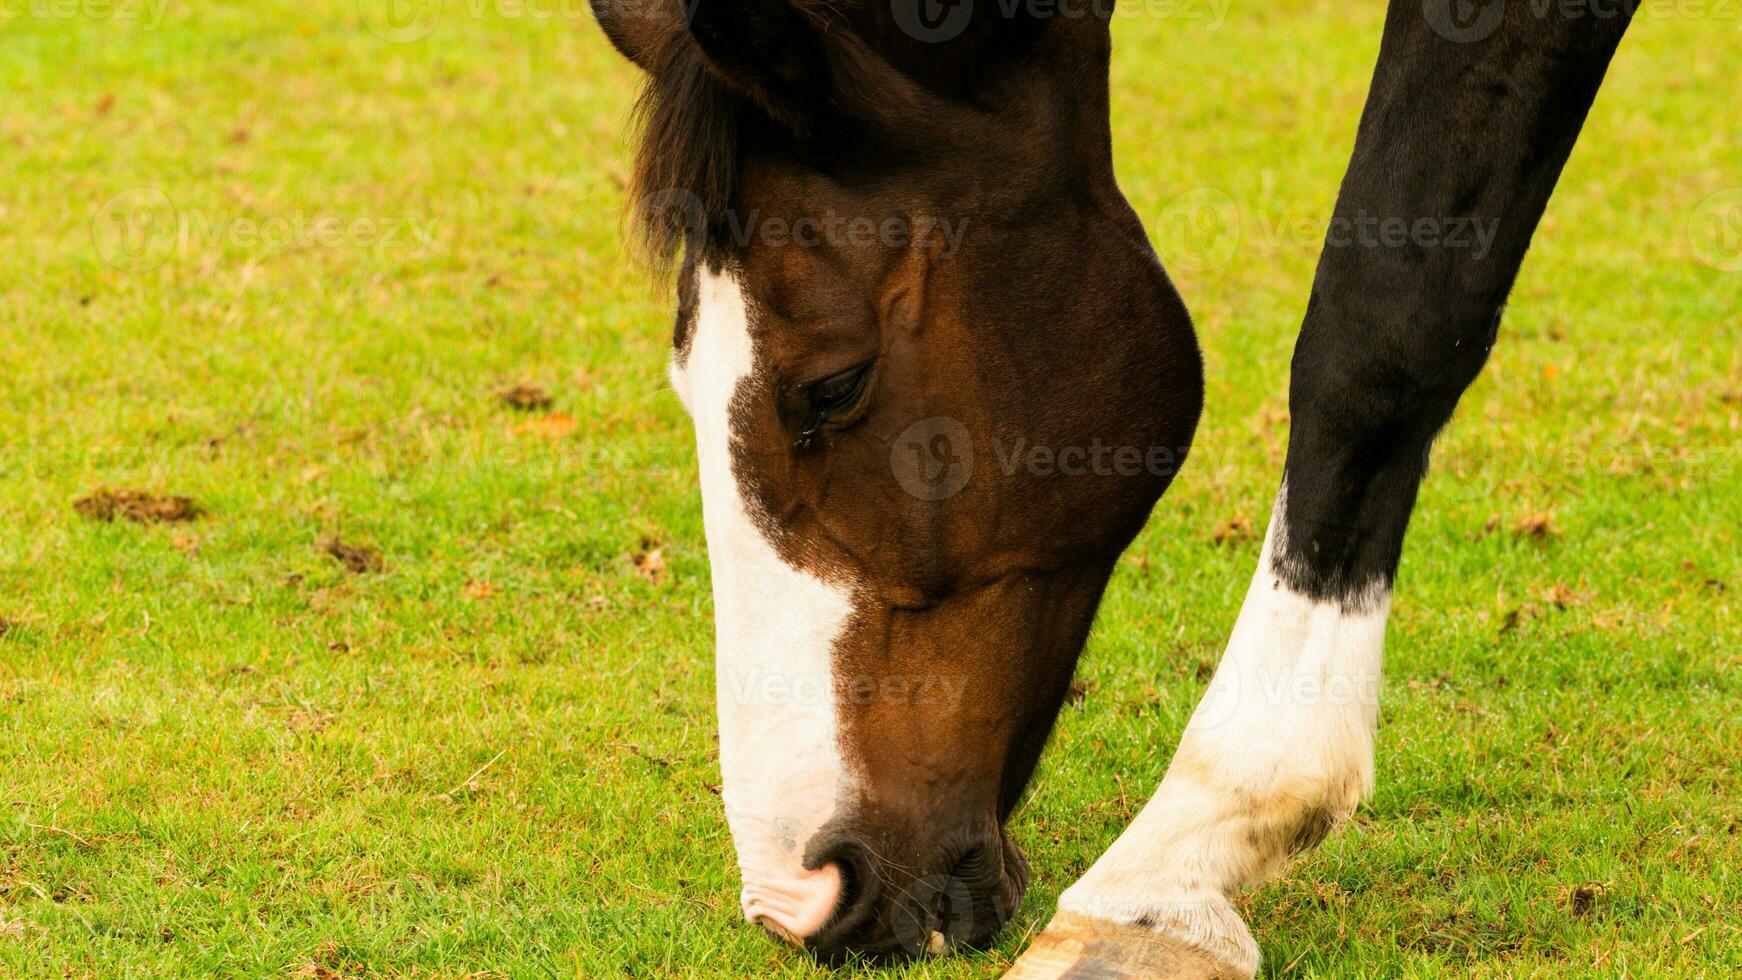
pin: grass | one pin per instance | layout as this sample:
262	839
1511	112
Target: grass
223	752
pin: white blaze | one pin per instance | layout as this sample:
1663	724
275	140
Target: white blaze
775	627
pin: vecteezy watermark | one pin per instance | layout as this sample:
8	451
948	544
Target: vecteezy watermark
400	21
1198	230
933	459
681	209
943	905
767	688
1095	459
143	14
1201	230
141	229
1715	230
1363	230
839	231
1463	20
406	21
1468	21
136	230
1236	695
1195	908
937	21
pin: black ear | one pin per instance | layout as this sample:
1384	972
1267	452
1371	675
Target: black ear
643	31
769	50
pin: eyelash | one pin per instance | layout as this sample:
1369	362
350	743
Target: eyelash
840	397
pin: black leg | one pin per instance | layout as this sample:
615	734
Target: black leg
1460	145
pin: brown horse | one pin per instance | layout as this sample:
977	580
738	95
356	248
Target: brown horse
939	379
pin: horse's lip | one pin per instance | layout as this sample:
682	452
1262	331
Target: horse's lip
775	930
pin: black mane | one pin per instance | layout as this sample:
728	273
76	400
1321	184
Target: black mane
686	161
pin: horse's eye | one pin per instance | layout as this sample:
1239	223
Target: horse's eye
835	396
830	405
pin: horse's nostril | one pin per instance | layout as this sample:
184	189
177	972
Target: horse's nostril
850	891
973	903
856	905
980	864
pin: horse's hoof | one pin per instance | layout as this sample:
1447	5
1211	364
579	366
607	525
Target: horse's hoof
1076	947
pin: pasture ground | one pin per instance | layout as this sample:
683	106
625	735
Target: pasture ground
260	256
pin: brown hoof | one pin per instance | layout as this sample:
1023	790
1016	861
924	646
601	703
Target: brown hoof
1075	947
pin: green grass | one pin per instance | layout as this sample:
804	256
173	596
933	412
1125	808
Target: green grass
221	753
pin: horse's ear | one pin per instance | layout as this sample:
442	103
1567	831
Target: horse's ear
641	30
769	50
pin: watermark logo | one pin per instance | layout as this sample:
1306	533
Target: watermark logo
1715	230
407	21
932	21
682	216
1464	21
1237	695
144	14
1469	21
141	229
1366	230
943	693
674	213
1203	229
400	21
938	906
937	21
1095	459
933	458
136	230
1199	230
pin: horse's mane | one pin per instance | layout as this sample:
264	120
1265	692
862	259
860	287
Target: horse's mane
692	126
686	160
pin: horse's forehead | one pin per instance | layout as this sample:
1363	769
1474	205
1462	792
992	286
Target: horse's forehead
713	350
720	351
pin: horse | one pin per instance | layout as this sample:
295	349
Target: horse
911	297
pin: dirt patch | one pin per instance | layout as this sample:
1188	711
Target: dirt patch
1563	596
12	627
322	964
141	508
1536	527
1582	899
649	562
357	559
525	396
1233	531
1518	616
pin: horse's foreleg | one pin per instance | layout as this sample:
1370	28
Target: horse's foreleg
1460	145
